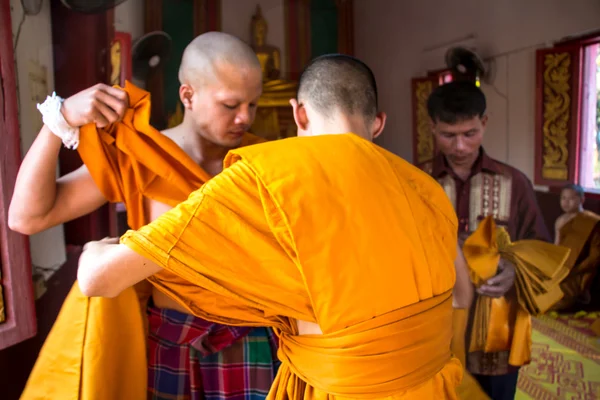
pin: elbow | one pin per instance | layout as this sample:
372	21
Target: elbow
20	224
92	285
90	288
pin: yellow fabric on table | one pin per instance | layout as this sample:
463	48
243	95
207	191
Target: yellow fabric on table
328	229
504	323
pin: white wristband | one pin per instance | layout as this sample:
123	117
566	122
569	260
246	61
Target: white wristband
56	122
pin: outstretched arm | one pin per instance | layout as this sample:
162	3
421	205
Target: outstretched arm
41	201
106	268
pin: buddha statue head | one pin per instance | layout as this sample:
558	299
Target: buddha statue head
259	28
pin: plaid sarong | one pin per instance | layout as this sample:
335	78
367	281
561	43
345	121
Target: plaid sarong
193	359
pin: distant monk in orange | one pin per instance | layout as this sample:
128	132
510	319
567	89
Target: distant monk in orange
579	230
344	248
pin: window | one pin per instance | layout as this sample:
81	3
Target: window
589	156
568	114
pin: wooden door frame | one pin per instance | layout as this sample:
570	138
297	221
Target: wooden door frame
17	272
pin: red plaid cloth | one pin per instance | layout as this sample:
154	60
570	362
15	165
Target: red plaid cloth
189	358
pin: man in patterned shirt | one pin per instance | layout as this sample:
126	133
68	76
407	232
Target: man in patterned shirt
479	186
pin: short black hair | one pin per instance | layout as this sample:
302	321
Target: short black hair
576	188
339	81
455	102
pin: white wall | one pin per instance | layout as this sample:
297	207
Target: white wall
129	17
236	17
35	80
404	39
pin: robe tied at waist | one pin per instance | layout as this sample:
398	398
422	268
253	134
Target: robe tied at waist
381	357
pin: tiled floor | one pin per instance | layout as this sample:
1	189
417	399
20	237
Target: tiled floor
565	360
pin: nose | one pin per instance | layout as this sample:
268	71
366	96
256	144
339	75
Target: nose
460	143
243	117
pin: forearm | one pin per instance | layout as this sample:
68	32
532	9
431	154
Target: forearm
106	270
35	187
463	289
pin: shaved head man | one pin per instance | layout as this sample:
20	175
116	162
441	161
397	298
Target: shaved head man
220	76
187	357
338	94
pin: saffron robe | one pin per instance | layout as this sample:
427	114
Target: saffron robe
332	230
582	235
97	347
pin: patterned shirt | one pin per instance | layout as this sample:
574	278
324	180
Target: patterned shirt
492	188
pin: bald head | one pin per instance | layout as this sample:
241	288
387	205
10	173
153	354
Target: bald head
210	50
339	83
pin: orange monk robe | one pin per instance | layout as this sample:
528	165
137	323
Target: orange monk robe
596	327
469	388
582	235
97	347
504	323
332	230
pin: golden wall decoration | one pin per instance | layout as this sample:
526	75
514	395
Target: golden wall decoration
556	116
424	136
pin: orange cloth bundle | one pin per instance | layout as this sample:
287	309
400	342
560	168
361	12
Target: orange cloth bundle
504	323
355	240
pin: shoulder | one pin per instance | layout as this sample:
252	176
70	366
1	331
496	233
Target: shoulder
250	139
521	183
426	167
176	135
509	170
591	215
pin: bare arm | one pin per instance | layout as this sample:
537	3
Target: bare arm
40	201
557	225
463	289
106	268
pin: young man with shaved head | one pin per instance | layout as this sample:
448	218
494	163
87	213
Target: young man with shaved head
344	248
125	160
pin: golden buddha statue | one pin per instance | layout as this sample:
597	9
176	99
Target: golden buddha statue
115	61
276	92
269	56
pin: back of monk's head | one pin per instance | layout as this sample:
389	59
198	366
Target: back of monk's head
337	83
203	57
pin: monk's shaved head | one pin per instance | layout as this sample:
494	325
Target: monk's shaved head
339	83
210	50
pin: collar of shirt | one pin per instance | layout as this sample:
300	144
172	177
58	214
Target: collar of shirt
484	162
